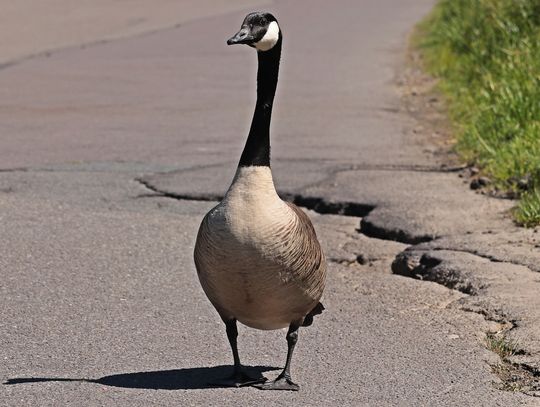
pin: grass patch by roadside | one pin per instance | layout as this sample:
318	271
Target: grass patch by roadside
486	54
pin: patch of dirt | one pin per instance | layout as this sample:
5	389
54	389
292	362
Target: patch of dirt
517	377
422	101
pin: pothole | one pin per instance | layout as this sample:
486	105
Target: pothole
430	268
325	207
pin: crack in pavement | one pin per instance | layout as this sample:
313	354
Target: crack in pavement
410	168
317	204
172	195
52	51
514	376
371	229
493	314
476	253
14	170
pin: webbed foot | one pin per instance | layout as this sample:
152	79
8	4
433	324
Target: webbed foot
281	383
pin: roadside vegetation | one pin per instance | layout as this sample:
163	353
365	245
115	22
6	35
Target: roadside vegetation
486	54
501	346
513	376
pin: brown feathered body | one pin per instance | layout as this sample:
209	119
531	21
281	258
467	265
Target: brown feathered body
258	257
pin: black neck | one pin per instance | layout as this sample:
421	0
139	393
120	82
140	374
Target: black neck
257	148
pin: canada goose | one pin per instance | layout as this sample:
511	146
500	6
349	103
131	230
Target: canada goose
257	257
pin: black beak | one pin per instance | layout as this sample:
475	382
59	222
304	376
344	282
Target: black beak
241	37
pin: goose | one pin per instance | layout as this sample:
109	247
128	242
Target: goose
257	257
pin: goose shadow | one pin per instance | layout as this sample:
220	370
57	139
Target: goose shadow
177	379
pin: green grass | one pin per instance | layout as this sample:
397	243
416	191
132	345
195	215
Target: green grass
487	56
501	346
527	212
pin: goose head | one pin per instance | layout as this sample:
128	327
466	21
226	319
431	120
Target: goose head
259	30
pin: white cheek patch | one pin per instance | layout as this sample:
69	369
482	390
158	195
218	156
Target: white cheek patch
270	38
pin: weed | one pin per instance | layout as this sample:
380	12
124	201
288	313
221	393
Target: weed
501	345
527	212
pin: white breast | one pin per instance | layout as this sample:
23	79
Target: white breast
252	206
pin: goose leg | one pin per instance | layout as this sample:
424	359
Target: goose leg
239	377
284	381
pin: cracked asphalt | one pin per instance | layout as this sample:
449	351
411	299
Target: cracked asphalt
110	155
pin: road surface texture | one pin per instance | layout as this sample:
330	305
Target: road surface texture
116	139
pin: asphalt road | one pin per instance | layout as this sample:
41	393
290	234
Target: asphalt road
100	300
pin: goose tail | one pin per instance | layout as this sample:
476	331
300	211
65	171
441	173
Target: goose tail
308	320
